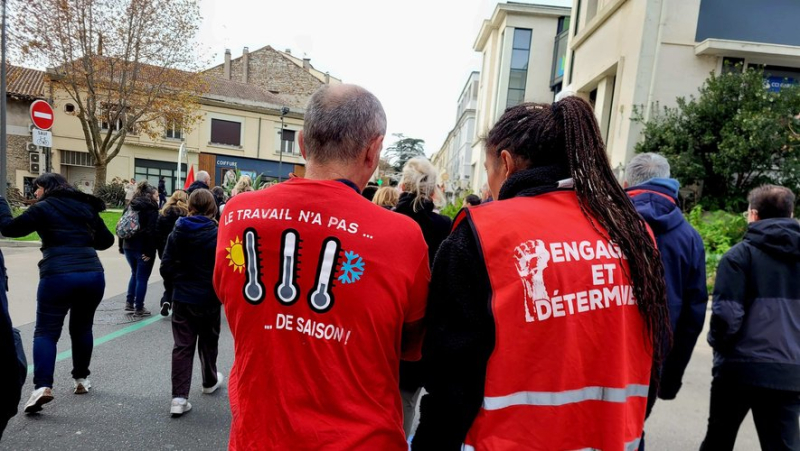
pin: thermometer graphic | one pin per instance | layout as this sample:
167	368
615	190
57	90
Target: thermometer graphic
321	299
253	288
286	289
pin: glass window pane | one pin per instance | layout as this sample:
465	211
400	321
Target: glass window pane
522	39
226	132
166	172
515	97
517	79
519	59
140	170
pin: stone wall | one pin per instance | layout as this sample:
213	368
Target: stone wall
271	71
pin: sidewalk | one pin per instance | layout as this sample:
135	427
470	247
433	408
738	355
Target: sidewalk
23	276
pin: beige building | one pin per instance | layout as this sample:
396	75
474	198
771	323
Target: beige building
523	61
625	54
239	129
246	106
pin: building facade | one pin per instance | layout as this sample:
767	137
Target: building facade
276	72
454	159
239	129
24	160
626	54
523	60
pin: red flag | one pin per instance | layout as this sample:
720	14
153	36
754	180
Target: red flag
189	178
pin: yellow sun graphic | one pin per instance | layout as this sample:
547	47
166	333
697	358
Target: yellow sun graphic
236	255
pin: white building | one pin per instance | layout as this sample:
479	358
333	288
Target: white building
455	156
524	50
625	54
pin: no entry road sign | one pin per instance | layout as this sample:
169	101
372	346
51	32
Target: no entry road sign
42	115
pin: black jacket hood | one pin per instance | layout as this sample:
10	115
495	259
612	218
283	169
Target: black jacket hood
75	204
143	203
779	237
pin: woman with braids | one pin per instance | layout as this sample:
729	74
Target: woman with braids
547	305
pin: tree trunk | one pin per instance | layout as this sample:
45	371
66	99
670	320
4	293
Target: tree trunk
100	171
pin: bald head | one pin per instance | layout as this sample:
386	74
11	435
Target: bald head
340	123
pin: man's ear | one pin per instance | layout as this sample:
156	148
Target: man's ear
302	144
373	154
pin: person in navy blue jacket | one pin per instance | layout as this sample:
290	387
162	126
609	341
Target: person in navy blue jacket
655	197
755	328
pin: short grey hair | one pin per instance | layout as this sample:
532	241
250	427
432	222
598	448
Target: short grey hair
340	121
202	176
646	166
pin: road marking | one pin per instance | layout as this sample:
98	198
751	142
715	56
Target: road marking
106	338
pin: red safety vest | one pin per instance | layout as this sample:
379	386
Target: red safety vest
571	364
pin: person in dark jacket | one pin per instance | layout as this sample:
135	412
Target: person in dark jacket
535	152
201	182
71	278
189	263
140	250
417	202
655	197
162	192
15	366
755	328
176	207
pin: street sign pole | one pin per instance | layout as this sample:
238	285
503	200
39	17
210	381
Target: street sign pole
3	139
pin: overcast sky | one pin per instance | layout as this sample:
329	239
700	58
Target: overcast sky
414	55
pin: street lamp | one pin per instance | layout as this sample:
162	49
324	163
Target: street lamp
284	112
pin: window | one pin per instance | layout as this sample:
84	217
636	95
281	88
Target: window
520	55
72	158
173	130
287	141
228	133
563	24
69	108
730	65
153	170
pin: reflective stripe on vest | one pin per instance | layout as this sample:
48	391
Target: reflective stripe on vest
630	446
543	398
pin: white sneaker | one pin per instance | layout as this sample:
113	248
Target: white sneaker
82	386
179	406
209	390
38	398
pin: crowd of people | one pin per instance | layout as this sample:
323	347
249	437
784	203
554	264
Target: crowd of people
551	313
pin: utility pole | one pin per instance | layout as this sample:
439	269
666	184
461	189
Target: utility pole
3	131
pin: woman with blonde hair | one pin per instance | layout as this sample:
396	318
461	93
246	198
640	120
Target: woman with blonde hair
175	208
244	184
386	197
189	263
420	194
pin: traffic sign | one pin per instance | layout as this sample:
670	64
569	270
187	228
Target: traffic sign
42	114
42	138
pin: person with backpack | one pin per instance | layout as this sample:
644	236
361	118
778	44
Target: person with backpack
137	229
71	278
188	261
174	209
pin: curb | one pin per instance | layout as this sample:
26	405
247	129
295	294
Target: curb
16	243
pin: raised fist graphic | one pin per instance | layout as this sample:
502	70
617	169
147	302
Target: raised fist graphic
531	258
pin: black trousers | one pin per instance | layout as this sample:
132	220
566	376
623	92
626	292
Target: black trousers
194	326
775	413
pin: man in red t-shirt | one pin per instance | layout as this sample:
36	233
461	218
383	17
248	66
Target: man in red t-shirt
324	292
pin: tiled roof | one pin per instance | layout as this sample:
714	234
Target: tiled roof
24	82
236	90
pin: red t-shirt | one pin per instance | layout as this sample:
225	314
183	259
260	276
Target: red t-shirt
317	283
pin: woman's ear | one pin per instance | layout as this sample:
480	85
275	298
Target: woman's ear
509	163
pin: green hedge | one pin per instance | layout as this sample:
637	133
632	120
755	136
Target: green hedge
720	230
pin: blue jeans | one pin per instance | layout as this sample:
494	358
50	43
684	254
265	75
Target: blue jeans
140	274
76	293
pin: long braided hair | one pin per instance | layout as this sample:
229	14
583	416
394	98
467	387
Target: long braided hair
566	134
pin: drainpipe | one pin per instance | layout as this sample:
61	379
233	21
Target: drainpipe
662	16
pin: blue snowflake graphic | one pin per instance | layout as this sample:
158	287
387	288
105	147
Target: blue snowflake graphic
352	269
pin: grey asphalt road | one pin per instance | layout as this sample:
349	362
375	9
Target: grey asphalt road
128	406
